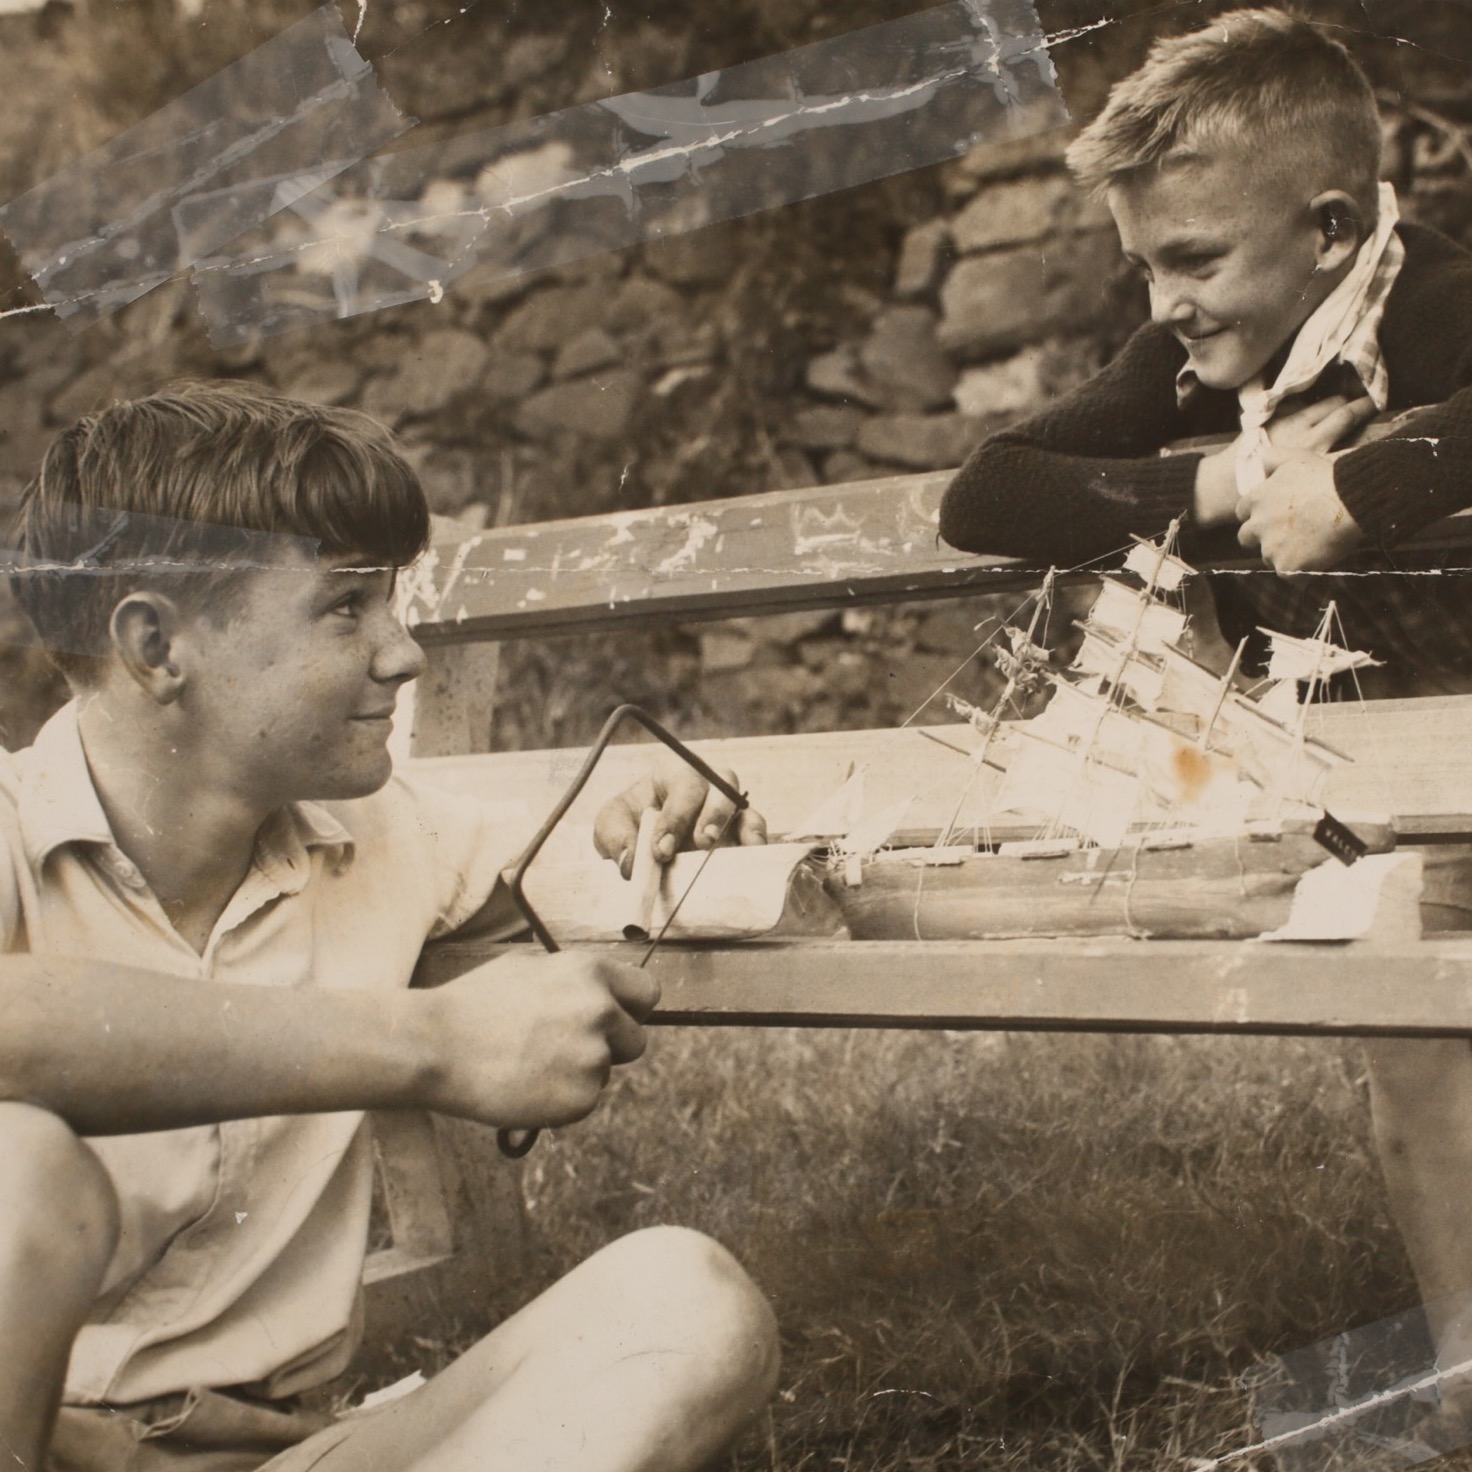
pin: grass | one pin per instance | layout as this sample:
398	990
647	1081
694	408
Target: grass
998	1252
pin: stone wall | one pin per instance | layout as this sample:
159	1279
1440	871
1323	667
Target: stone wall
861	334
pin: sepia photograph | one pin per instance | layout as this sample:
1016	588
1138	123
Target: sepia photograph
735	738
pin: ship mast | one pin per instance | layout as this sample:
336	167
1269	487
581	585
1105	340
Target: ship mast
1014	665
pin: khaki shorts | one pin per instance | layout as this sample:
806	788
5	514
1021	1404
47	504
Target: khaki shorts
203	1431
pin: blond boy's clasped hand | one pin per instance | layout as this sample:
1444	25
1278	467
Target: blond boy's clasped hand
1295	517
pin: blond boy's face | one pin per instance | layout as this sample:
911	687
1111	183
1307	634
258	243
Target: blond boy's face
1228	251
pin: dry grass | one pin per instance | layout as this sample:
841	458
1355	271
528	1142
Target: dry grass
999	1252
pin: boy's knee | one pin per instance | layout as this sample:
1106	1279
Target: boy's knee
692	1280
58	1211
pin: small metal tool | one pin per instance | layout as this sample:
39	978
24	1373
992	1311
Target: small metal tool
515	1143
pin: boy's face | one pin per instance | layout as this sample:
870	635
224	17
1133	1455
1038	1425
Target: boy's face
1229	253
290	696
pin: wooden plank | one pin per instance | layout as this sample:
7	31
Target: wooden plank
783	550
448	708
1410	762
472	1287
816	547
414	1192
1420	990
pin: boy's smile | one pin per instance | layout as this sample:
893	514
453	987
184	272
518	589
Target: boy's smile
1230	254
292	695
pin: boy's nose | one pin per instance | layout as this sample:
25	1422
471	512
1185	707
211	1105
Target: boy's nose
1168	304
399	658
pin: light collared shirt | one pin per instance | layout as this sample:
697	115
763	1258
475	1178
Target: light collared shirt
242	1243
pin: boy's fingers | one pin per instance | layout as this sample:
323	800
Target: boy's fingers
684	794
1344	420
1325	407
718	818
635	991
625	1039
751	827
692	814
695	814
616	827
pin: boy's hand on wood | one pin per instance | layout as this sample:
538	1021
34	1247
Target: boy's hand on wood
528	1041
692	814
1295	517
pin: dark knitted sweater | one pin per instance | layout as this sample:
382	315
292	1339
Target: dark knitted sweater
1072	482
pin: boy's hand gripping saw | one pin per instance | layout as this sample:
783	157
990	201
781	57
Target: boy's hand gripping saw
516	1143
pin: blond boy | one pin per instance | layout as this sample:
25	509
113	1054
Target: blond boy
1288	305
212	892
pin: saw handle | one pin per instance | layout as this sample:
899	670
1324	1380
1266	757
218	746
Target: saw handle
514	1144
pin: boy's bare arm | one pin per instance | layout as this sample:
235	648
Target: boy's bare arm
114	1050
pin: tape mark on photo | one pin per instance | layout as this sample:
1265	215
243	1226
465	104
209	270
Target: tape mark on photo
215	163
641	166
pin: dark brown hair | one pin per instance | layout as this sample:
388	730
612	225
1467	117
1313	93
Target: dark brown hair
189	487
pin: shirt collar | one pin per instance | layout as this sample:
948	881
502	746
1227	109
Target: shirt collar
1345	326
59	805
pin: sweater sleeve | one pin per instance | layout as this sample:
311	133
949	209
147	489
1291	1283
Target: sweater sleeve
1074	481
1422	470
1414	476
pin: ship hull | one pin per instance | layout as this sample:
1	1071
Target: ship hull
1215	889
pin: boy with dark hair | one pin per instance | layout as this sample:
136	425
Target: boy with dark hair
213	891
1288	305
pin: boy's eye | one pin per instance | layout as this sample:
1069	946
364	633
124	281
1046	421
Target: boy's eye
1196	265
350	605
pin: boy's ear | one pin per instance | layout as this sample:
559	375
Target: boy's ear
1340	228
143	628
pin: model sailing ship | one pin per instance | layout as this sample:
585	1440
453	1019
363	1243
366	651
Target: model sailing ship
1156	797
1151	796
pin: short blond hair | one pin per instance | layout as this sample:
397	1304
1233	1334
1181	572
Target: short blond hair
1263	80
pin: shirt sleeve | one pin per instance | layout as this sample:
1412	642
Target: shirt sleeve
1422	470
467	844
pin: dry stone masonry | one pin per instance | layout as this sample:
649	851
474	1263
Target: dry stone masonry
857	335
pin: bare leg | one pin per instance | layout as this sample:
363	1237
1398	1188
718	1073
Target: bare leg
652	1356
1421	1091
58	1227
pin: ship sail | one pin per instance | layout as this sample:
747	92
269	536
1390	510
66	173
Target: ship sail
1120	665
1138	741
1079	794
1296	660
1156	566
1187	687
1284	763
1132	615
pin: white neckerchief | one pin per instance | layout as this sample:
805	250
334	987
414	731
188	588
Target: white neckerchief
1343	327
